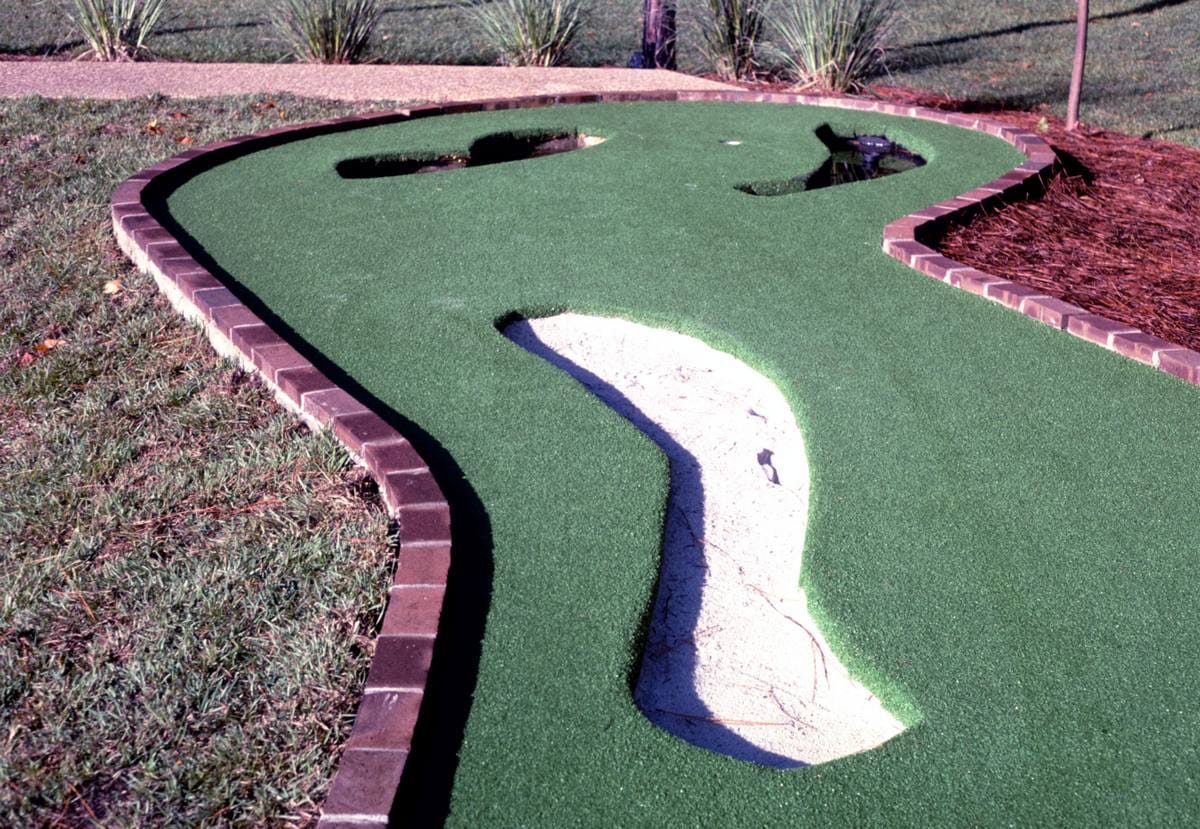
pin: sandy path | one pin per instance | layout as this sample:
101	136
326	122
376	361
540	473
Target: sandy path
60	79
733	660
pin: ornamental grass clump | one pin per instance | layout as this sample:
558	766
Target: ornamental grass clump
116	30
733	31
834	45
327	31
529	32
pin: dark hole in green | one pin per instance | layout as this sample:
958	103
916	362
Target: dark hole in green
497	148
851	158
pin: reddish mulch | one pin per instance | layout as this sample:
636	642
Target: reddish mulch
1117	232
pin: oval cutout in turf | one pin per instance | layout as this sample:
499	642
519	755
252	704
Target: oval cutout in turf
497	148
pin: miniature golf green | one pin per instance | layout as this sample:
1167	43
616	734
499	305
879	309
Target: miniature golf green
1003	530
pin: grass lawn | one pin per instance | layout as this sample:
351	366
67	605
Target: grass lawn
1002	537
191	582
1144	57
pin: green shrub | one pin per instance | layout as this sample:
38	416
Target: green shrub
327	31
116	29
834	45
732	32
529	32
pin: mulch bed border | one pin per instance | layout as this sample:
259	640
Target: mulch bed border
368	775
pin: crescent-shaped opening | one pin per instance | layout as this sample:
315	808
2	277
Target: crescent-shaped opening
496	148
733	661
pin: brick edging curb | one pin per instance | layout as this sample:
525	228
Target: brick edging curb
369	773
905	238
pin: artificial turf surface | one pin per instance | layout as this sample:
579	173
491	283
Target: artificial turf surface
1002	533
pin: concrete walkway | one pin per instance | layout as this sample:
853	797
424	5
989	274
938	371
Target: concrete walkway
59	79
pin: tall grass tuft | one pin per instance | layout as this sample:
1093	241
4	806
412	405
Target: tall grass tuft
116	30
529	32
733	32
834	45
327	31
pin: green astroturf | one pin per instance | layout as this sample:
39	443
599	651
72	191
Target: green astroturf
1003	534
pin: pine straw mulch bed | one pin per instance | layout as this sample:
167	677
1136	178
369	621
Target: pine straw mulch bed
1114	233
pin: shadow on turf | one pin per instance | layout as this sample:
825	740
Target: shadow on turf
1160	135
922	56
63	46
1021	28
695	723
423	798
961	49
433	7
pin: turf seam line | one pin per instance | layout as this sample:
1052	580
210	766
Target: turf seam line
296	384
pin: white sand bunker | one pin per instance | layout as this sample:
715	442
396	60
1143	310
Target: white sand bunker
734	662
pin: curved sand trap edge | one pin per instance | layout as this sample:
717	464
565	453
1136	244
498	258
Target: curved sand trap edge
733	662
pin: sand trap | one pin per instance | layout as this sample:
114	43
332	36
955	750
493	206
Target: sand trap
734	662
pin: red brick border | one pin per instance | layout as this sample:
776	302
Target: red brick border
375	754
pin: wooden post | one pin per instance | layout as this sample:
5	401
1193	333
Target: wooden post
1081	27
658	35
